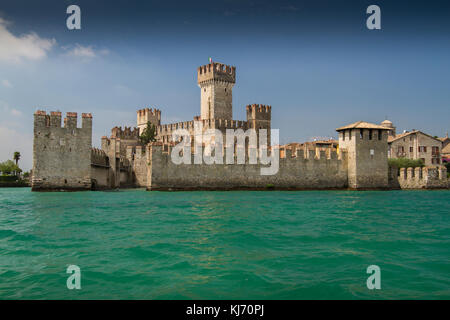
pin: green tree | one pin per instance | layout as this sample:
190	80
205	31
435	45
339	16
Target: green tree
447	165
16	157
8	167
149	133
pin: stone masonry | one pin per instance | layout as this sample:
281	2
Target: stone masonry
63	157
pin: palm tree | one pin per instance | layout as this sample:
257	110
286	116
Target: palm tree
16	157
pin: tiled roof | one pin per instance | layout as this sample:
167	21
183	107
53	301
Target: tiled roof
362	125
402	135
446	149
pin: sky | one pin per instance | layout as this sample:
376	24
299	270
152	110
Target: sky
314	62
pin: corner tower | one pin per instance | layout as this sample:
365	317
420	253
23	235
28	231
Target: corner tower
61	155
216	82
366	145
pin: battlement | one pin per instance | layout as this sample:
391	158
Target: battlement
297	169
423	177
285	153
259	112
148	114
99	158
62	155
126	133
42	119
259	108
149	111
314	153
216	71
221	124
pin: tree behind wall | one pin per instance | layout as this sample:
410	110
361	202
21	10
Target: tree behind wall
149	133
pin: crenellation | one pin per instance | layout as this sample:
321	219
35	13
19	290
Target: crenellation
422	177
70	121
55	119
61	155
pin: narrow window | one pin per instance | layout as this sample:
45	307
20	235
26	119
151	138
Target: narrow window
370	134
380	134
360	133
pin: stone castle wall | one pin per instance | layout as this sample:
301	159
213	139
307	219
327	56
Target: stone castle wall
301	170
420	178
139	160
61	154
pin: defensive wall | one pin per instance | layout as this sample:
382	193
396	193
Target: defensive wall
419	178
301	169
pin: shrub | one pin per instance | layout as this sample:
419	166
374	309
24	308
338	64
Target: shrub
8	178
405	163
9	167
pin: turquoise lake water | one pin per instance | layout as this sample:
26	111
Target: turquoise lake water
134	244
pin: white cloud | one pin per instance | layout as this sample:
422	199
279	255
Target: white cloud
27	46
15	112
6	109
85	52
13	138
6	83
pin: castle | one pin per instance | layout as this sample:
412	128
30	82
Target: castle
63	157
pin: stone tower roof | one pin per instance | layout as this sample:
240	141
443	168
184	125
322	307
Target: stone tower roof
387	123
362	125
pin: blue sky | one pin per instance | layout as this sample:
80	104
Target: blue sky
315	62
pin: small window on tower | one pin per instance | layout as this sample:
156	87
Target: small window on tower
225	89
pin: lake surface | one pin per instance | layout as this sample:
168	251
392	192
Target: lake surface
135	244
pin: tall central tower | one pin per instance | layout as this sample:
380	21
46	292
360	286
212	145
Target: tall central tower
216	82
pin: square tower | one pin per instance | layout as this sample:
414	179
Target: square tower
61	154
259	117
216	82
148	114
366	145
